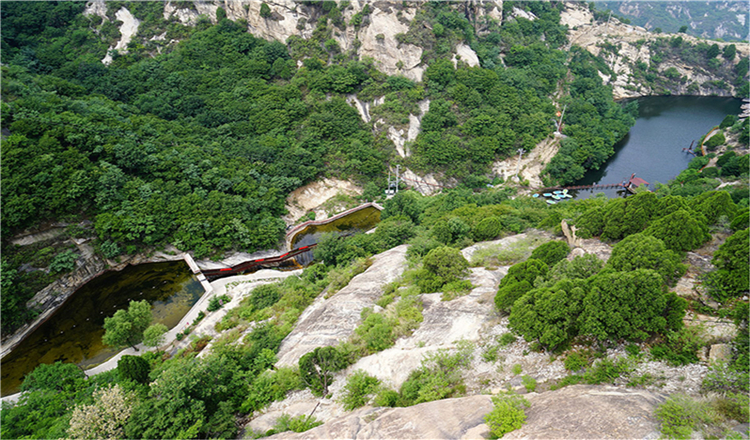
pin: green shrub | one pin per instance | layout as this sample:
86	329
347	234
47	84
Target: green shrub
64	261
488	228
551	252
438	377
734	406
581	267
606	370
264	296
270	386
358	390
507	339
529	383
680	415
490	353
214	304
576	361
387	397
456	289
516	369
376	331
265	10
715	141
679	347
441	266
507	414
301	423
723	377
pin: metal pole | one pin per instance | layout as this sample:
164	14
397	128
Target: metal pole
397	170
562	115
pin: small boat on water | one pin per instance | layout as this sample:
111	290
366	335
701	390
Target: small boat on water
547	194
535	195
557	192
551	202
568	195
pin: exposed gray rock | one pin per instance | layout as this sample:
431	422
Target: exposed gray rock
720	353
585	411
570	234
443	419
333	320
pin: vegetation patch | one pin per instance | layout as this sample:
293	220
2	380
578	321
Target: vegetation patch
508	414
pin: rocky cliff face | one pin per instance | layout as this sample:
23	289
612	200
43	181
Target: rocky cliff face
644	63
373	37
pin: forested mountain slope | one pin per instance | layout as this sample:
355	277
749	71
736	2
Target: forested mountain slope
194	131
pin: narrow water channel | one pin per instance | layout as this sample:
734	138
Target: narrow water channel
74	332
653	147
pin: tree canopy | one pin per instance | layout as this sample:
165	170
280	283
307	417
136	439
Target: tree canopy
126	327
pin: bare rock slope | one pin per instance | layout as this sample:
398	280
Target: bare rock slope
329	321
586	411
580	411
448	419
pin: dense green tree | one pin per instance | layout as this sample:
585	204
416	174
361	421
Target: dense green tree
625	305
680	231
134	368
154	335
713	51
520	279
741	220
404	203
317	367
549	315
488	228
714	205
392	232
191	398
441	266
643	251
126	327
551	252
48	394
732	260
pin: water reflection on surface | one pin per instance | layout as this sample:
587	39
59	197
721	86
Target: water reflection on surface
74	332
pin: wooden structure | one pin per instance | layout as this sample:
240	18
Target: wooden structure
630	185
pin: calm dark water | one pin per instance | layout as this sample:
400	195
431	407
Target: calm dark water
358	221
653	148
74	332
